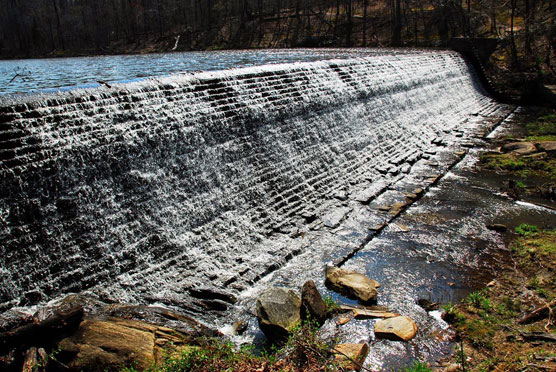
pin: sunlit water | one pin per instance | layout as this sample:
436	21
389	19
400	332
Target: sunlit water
51	74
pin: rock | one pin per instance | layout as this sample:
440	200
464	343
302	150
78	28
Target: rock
239	327
369	312
521	148
427	304
334	218
278	310
497	227
400	328
312	305
536	156
111	343
343	320
352	284
351	356
547	146
366	195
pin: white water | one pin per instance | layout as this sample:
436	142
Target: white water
187	190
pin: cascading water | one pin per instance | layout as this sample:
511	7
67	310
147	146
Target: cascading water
187	190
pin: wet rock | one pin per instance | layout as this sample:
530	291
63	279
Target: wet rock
428	305
334	218
366	195
401	328
239	327
340	195
351	356
109	344
278	310
547	146
521	148
210	293
352	284
497	227
312	305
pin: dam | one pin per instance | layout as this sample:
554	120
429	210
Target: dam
191	190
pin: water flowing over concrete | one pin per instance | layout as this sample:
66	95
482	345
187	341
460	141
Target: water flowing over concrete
188	190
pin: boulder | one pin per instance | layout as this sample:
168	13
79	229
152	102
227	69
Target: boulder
312	305
428	305
400	328
352	284
547	146
351	356
111	344
521	148
278	310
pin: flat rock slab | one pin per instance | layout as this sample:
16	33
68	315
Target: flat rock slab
352	284
366	195
369	313
521	148
400	328
351	356
547	146
111	343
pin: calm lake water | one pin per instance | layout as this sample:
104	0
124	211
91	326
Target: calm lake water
52	74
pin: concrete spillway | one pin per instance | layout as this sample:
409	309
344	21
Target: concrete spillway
189	189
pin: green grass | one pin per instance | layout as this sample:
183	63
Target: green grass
331	305
534	244
543	126
526	229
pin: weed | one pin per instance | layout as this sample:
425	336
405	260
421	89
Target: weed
479	301
525	229
331	305
417	367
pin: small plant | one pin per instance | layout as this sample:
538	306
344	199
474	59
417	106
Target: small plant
525	229
331	305
520	184
475	299
417	367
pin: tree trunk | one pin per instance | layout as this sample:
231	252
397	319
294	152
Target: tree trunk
365	5
58	24
397	24
513	48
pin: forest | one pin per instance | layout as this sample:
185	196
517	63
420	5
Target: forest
57	28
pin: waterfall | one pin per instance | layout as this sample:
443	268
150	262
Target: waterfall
173	189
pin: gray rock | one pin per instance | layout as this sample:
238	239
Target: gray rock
312	305
334	218
278	310
547	146
521	148
352	284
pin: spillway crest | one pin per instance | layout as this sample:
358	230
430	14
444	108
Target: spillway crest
174	190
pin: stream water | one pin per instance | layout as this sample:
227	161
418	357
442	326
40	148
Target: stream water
54	74
197	191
